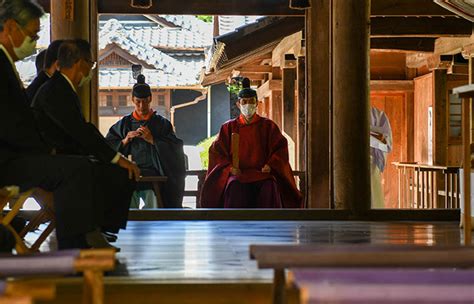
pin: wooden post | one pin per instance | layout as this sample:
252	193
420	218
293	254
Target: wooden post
79	19
440	128
466	139
289	103
277	111
301	85
319	100
351	105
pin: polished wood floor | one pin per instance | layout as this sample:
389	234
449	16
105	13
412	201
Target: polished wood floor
218	250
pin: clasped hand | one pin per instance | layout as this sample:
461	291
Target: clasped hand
142	132
236	171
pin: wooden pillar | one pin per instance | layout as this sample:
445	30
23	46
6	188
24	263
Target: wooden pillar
351	104
319	99
440	125
277	113
290	111
440	129
301	87
71	19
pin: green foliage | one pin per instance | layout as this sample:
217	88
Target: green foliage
204	154
235	86
205	18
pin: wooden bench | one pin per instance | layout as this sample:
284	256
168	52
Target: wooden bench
25	292
92	263
11	196
156	181
281	257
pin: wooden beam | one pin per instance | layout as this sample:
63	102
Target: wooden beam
391	85
262	7
208	7
255	68
266	89
290	44
251	76
404	44
407	8
290	119
419	27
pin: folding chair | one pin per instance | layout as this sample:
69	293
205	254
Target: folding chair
16	200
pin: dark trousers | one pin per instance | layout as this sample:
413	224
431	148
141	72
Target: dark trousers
87	194
261	194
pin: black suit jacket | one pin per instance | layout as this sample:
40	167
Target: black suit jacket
18	133
35	85
58	112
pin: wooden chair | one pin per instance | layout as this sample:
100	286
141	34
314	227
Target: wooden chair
281	257
16	200
92	263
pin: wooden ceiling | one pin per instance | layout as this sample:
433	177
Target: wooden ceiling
393	8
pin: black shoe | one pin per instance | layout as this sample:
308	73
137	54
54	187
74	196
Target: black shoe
110	237
95	239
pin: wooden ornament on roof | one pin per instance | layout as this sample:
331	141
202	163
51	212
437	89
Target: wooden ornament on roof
463	8
141	3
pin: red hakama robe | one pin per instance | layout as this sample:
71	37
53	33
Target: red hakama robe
261	143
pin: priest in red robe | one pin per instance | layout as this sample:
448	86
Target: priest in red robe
261	176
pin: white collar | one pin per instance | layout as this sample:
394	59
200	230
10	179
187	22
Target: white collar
70	82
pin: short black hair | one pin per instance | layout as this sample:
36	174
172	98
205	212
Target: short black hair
22	11
71	51
52	53
39	61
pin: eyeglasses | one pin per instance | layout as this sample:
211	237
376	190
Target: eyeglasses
92	63
34	37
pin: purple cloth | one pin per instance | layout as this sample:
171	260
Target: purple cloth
19	266
3	287
386	285
261	194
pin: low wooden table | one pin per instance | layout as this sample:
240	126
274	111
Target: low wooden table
281	257
155	181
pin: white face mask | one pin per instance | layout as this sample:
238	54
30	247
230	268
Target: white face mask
248	110
27	47
85	79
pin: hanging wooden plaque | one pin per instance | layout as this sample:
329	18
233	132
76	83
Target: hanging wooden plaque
68	10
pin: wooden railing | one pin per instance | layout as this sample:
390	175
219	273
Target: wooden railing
427	187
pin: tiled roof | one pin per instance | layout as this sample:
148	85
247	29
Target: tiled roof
228	24
190	23
122	78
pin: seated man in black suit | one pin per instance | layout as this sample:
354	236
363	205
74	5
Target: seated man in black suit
26	161
62	124
50	65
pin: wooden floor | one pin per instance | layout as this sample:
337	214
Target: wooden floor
171	261
218	250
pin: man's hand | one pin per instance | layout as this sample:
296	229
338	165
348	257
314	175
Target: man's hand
132	168
266	169
145	133
130	136
235	171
